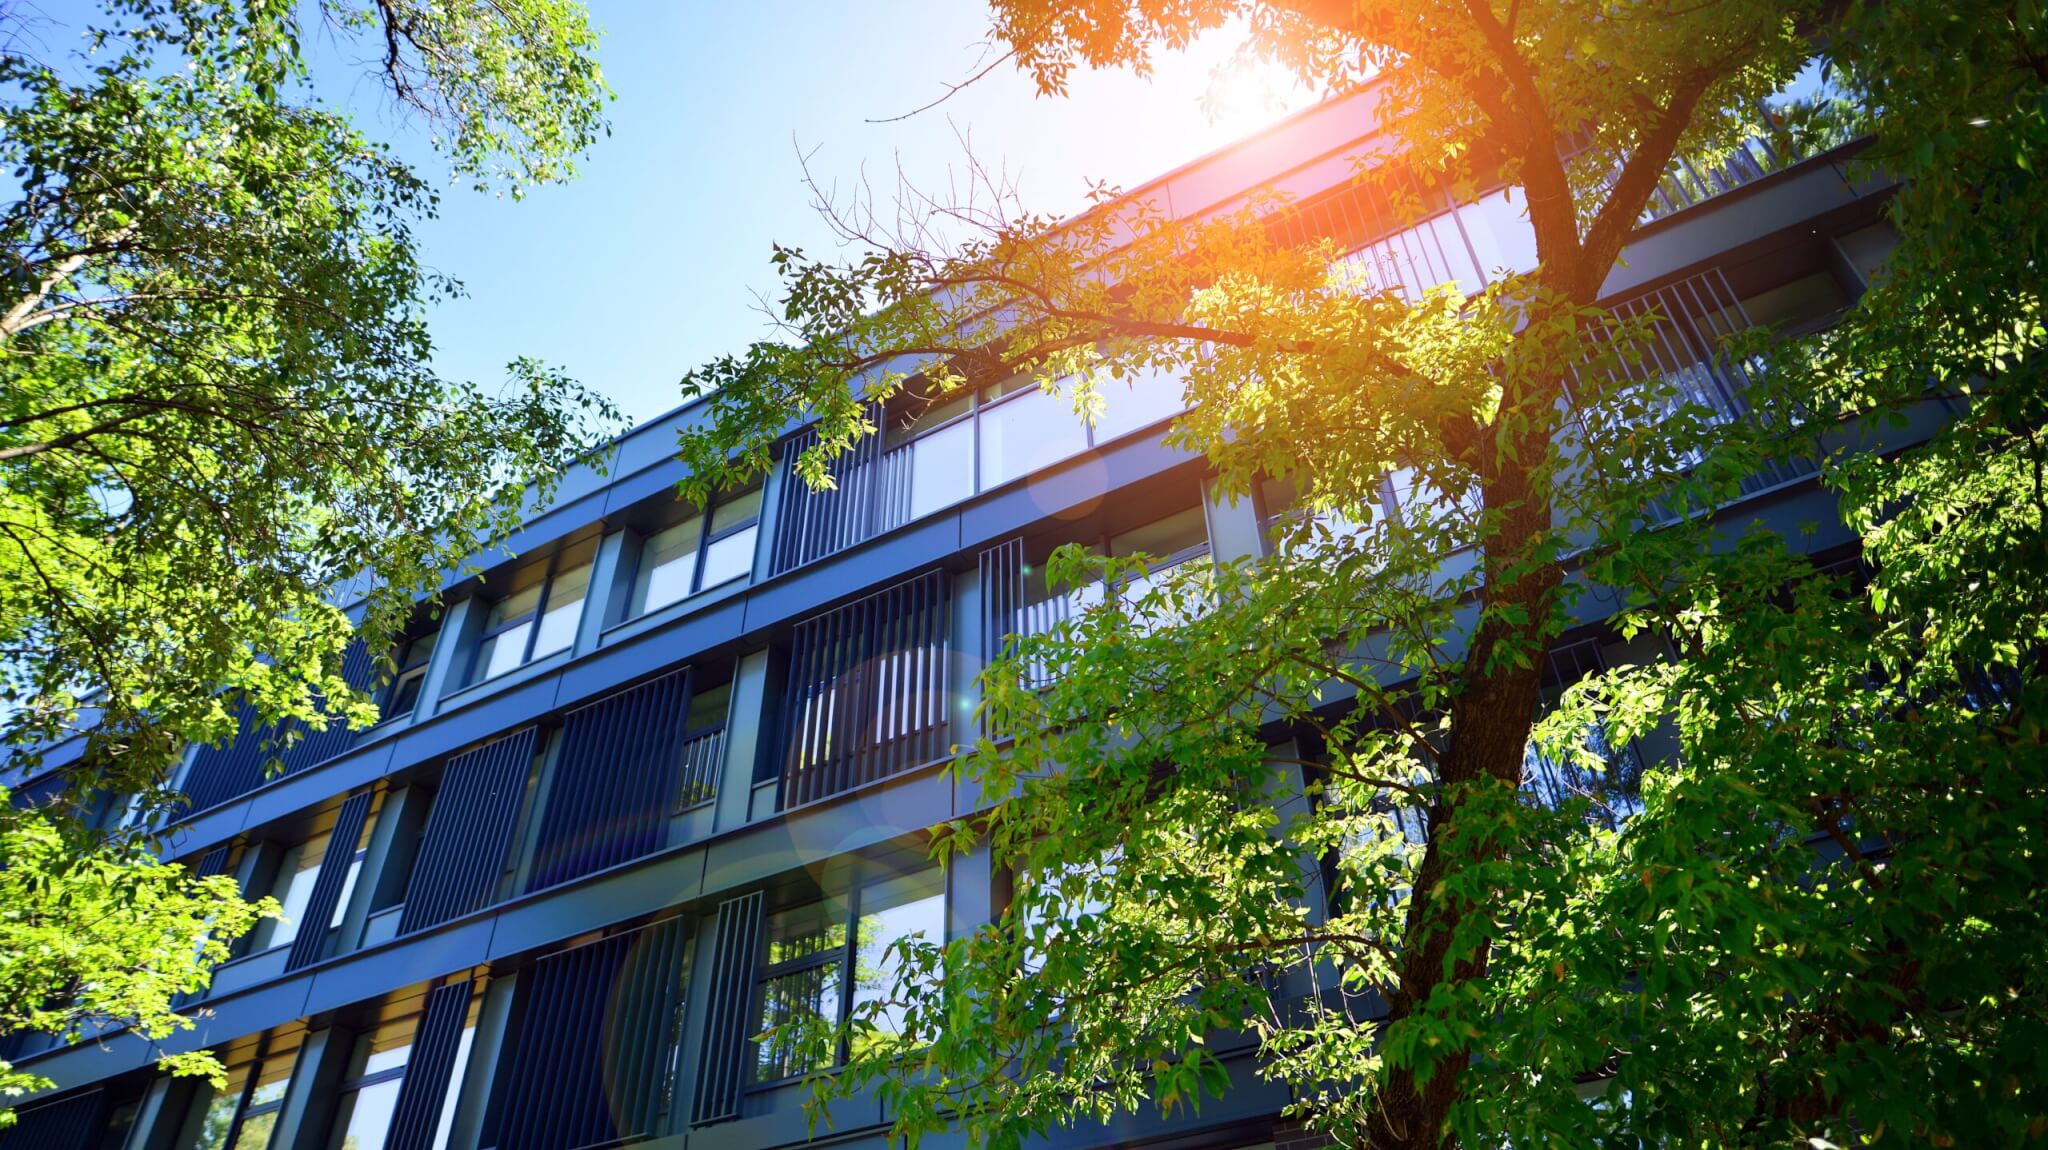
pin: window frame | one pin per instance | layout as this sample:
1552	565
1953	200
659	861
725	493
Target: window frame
706	538
529	619
408	669
194	1121
845	957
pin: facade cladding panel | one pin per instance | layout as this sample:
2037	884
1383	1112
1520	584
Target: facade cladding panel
517	944
243	763
590	1061
476	814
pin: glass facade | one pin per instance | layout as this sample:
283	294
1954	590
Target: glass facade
808	967
803	690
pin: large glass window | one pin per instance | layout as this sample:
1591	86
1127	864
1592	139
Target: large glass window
367	1098
408	677
242	1115
538	614
699	553
817	951
293	886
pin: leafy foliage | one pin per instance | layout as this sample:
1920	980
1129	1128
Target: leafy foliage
1301	812
219	425
113	936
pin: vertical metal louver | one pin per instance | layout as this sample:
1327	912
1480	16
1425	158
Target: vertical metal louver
810	525
615	782
212	862
222	773
73	1123
417	1113
469	832
591	1062
868	693
722	1069
334	868
1002	598
1690	323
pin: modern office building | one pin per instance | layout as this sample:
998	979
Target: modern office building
661	780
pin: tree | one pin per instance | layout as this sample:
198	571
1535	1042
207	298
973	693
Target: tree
219	420
1815	919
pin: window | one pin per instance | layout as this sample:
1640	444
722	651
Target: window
936	443
367	1099
809	966
244	1114
410	675
699	553
537	616
293	887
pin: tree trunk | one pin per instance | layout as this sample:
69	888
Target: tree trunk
1490	721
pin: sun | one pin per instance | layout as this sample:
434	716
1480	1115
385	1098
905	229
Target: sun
1246	93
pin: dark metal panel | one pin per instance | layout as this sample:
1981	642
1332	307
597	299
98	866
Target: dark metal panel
212	863
721	1067
615	783
468	832
868	690
241	765
590	1062
425	1087
334	865
73	1123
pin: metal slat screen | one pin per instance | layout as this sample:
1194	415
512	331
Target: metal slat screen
722	1069
212	862
334	867
72	1123
616	780
469	832
1002	597
1690	324
591	1063
417	1113
222	773
810	525
868	690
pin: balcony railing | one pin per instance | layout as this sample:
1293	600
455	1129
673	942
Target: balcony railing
1689	353
869	690
999	438
703	758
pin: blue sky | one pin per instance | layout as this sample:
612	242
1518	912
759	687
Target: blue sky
645	266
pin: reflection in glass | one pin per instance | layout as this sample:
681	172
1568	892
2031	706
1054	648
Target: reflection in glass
941	469
1134	403
730	558
364	1118
1026	433
668	562
565	608
809	993
899	908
